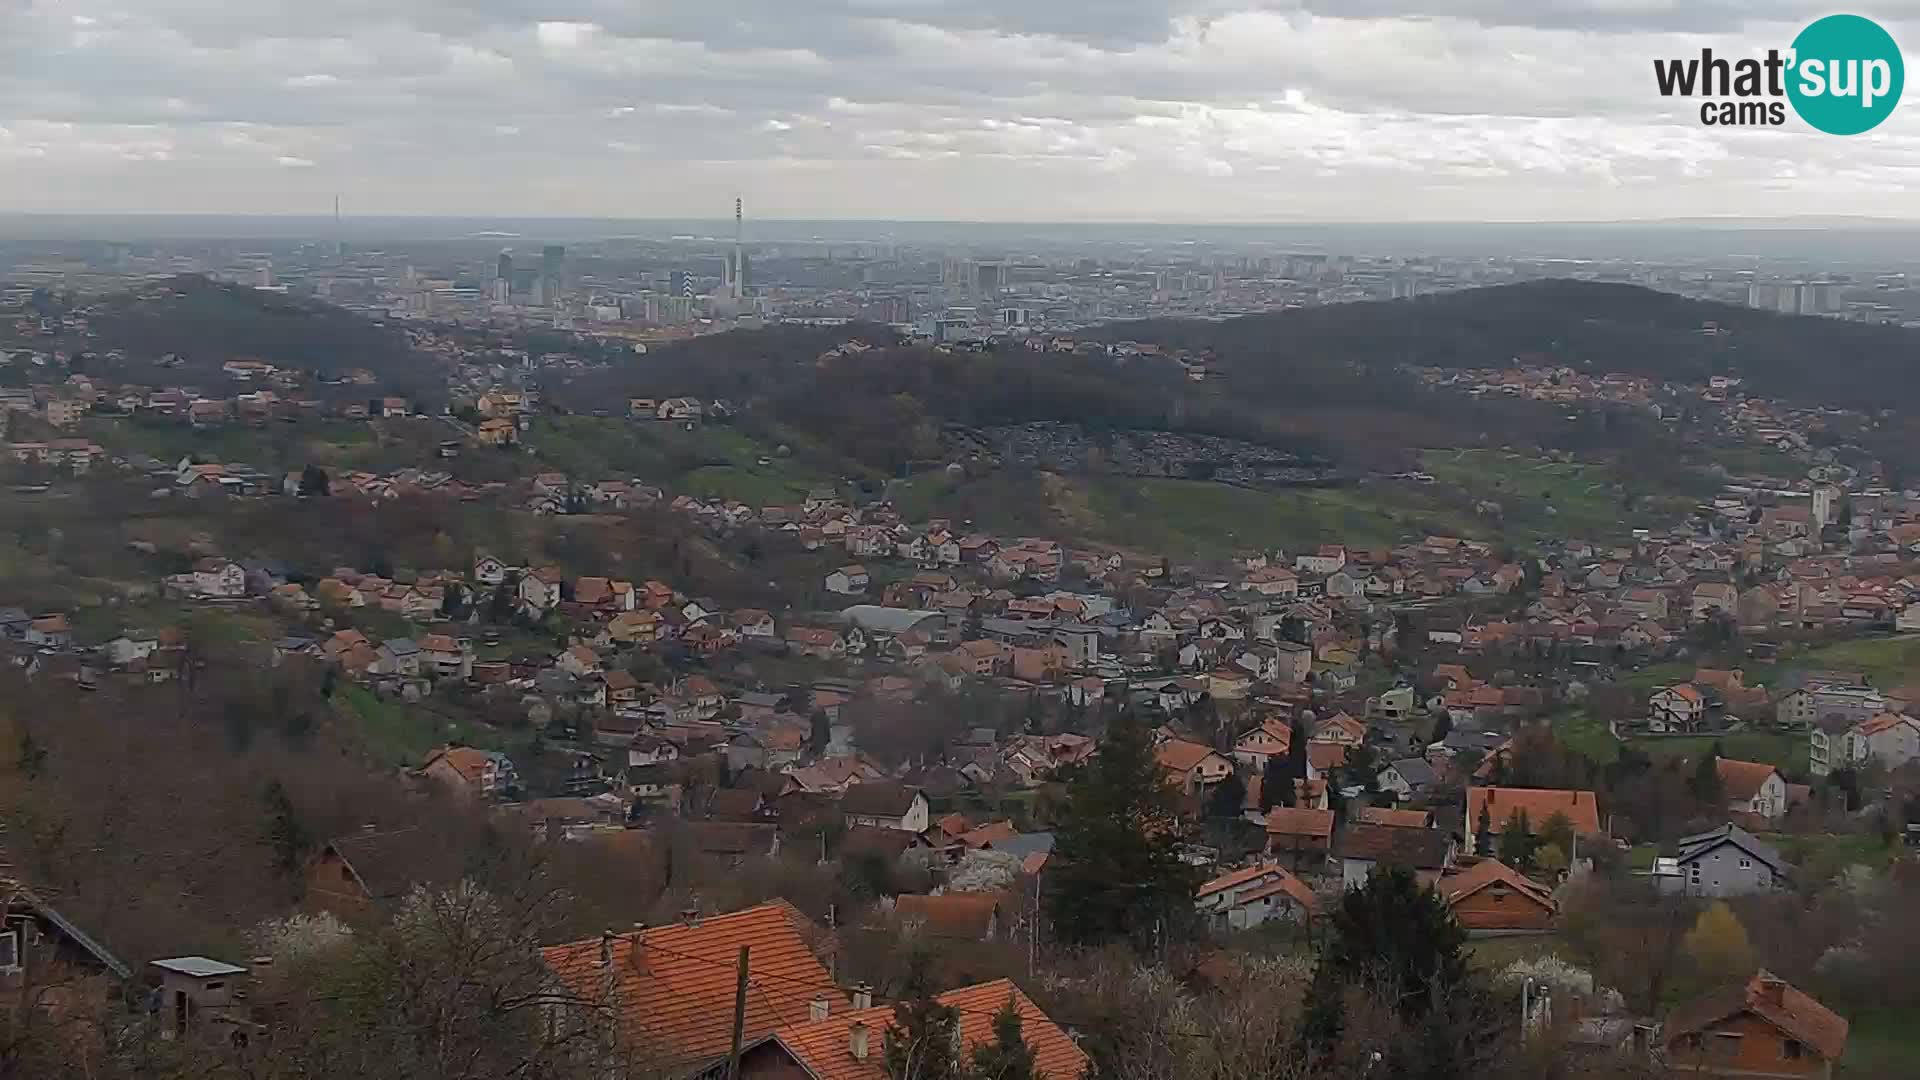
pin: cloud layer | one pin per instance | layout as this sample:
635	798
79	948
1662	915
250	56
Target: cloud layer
1214	110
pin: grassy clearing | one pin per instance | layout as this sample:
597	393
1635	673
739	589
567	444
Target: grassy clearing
272	447
402	734
1654	676
1887	662
1587	736
712	460
1788	752
1538	496
1881	1043
1191	517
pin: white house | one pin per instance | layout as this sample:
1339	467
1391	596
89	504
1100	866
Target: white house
1889	738
848	580
1255	895
488	570
885	805
219	579
1677	708
1753	787
540	589
1328	560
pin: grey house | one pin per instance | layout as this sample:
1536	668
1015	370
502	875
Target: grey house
1729	861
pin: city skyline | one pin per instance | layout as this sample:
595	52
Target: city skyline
1177	111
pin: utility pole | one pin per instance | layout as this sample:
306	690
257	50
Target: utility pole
739	1015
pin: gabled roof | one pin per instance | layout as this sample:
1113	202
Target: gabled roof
1489	872
1692	847
673	986
1180	756
1772	1000
961	916
1419	849
1299	821
1743	779
16	893
878	799
1538	804
1399	819
822	1047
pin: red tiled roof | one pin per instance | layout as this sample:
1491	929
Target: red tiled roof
965	916
1486	872
1178	755
1402	819
1771	999
1742	779
1297	821
674	984
1538	804
822	1046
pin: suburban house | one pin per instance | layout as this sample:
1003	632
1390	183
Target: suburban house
471	773
1680	707
1495	806
1191	766
1711	597
1891	739
353	873
954	916
1408	777
1761	1027
540	588
1300	836
671	987
848	580
1729	861
219	579
73	976
1361	846
1492	898
1752	787
1258	894
885	805
833	1043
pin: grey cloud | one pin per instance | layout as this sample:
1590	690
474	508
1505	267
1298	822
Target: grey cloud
1061	108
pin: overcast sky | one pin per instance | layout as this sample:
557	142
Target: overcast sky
1172	110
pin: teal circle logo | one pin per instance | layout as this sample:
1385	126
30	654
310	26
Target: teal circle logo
1846	74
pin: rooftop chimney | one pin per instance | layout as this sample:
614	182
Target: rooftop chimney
817	1009
1769	989
606	947
863	996
857	1040
690	915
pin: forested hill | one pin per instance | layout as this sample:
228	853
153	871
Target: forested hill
1600	327
207	323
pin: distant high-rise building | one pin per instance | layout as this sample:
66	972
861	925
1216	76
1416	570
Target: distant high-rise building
989	279
553	271
503	267
680	283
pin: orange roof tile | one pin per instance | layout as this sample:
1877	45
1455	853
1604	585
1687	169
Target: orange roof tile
674	984
1457	887
1538	804
1742	779
823	1046
1179	755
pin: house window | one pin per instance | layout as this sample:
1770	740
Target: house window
1726	1045
1792	1050
10	951
1746	864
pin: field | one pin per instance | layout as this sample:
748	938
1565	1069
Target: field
1789	752
1881	1043
1654	676
1887	662
1587	736
712	461
1192	517
400	734
1541	497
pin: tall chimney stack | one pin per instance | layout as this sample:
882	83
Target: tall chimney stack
857	1040
863	996
818	1009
